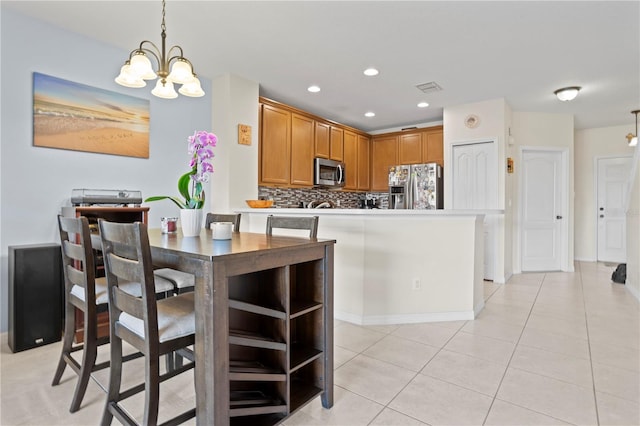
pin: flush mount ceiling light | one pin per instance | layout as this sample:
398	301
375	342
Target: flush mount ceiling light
313	89
423	105
567	93
170	69
632	139
369	114
370	72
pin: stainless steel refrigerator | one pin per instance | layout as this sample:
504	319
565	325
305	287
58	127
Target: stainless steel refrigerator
416	186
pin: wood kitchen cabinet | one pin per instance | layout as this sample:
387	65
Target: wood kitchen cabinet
432	146
322	140
410	148
275	145
336	143
384	153
364	145
302	150
350	160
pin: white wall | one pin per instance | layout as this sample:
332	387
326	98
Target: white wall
36	182
555	131
590	144
495	118
235	101
633	230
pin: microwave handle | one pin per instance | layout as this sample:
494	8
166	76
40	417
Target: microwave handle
340	174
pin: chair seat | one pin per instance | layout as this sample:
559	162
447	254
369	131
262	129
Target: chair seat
178	278
176	318
162	286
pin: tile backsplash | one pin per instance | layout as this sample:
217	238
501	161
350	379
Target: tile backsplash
297	197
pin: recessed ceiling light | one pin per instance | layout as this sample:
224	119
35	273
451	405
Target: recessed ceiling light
423	104
370	72
313	89
369	114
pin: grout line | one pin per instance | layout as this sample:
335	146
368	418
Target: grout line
586	320
515	347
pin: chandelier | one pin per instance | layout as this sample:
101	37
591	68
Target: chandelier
632	139
171	69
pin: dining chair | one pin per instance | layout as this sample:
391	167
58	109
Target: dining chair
88	294
219	217
153	327
309	223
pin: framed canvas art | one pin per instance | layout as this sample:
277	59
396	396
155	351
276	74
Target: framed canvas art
78	117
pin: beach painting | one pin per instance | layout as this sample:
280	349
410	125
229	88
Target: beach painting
78	117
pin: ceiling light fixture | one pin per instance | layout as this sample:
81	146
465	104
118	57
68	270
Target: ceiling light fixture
632	139
423	105
138	68
369	114
370	72
313	89
567	93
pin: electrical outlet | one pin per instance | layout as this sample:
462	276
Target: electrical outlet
415	284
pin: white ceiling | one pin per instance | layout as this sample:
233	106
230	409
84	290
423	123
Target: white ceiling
475	50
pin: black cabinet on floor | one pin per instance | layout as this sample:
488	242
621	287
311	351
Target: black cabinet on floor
35	295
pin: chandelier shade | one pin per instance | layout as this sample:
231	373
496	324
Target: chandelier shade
172	67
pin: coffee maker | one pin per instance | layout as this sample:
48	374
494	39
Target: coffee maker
399	181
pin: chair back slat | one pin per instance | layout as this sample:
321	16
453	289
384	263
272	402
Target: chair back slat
127	258
309	223
74	251
75	276
219	217
77	255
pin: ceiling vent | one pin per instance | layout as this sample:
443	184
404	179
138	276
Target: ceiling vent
430	87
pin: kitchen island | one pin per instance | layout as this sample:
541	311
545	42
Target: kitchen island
399	266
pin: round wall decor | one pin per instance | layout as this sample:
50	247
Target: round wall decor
472	121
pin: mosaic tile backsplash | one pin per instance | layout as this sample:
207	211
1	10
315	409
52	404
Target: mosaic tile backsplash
301	197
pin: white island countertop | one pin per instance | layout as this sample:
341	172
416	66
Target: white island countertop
371	212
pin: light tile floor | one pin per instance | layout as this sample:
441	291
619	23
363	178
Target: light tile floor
548	349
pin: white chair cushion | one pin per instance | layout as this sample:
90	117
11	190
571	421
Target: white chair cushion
176	318
162	286
178	278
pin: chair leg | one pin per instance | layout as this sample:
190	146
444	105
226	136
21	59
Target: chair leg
89	355
115	378
152	389
67	343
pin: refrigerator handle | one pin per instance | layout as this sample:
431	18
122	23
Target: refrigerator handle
413	189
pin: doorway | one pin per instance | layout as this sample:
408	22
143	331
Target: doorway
611	194
475	176
544	210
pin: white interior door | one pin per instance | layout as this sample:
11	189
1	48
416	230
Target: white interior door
542	210
475	188
613	175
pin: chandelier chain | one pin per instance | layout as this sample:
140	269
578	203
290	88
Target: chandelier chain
163	26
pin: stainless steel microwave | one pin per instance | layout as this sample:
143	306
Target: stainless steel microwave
328	173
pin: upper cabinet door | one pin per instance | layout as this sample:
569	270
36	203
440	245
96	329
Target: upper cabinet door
302	147
275	141
410	148
336	151
351	160
432	147
364	144
384	154
322	140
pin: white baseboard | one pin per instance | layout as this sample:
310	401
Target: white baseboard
405	318
634	292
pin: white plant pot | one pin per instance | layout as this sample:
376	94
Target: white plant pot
191	221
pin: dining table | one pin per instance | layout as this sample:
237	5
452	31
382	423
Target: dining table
264	322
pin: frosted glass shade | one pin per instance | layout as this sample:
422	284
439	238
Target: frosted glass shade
192	89
126	79
164	90
141	66
567	93
633	141
181	72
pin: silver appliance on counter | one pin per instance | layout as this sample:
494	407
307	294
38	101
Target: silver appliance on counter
416	186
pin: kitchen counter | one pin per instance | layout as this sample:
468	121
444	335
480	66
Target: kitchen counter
399	266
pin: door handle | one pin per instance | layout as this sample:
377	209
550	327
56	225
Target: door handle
601	208
558	217
601	216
